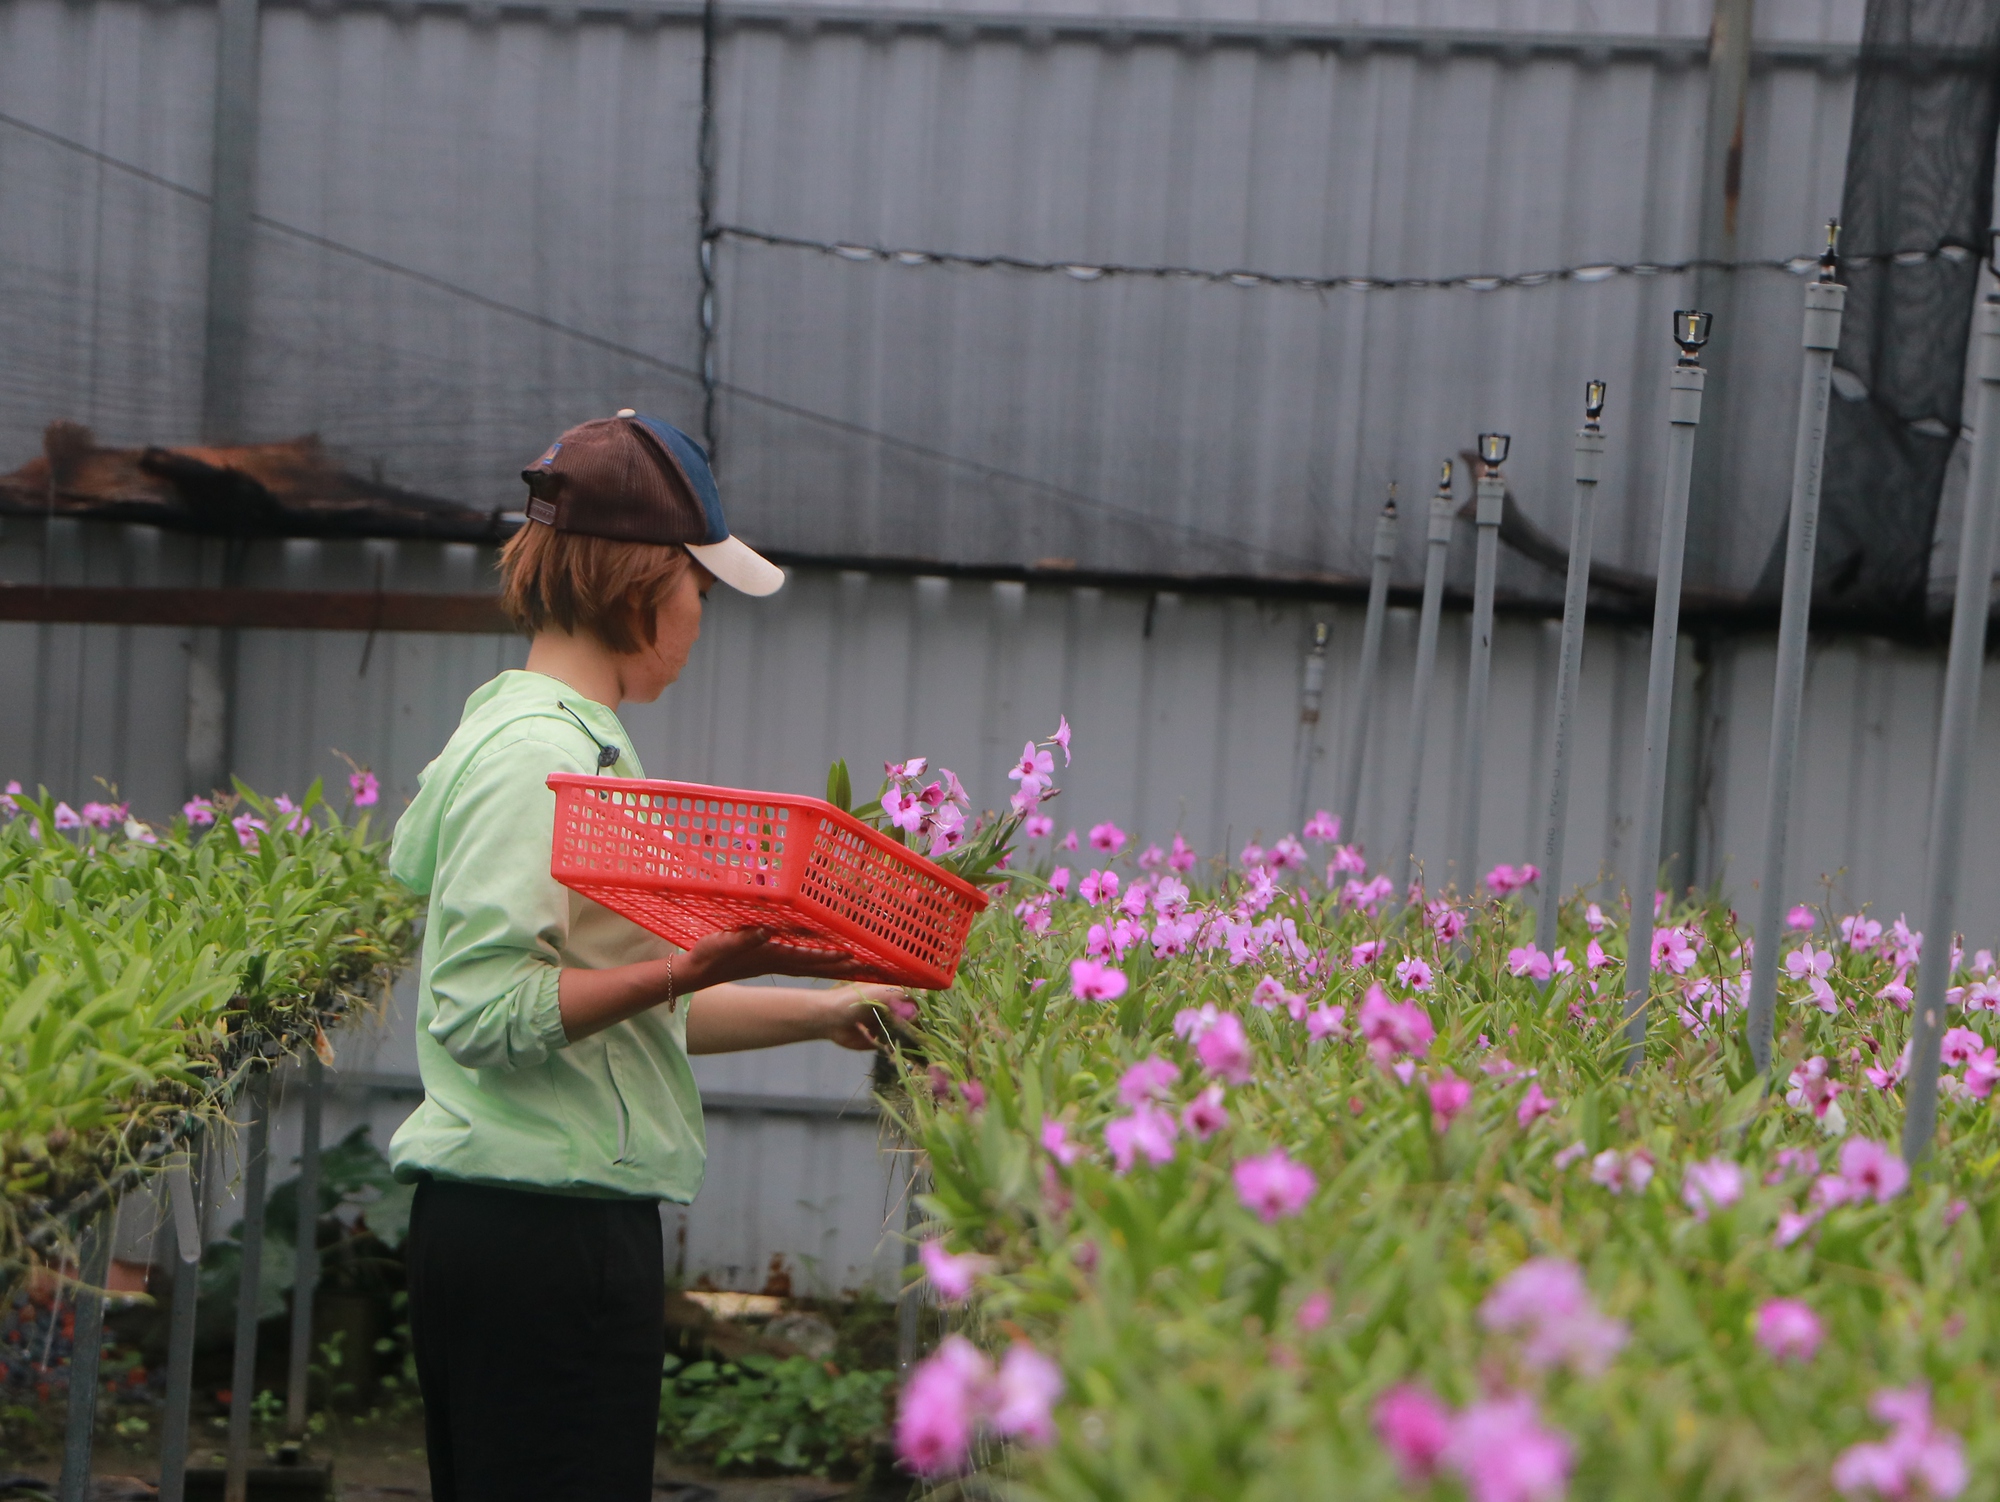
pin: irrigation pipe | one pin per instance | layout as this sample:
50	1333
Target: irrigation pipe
1691	331
1569	659
1821	337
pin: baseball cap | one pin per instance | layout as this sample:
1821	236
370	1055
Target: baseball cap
638	479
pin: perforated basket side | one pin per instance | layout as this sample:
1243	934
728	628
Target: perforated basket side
885	893
684	861
637	832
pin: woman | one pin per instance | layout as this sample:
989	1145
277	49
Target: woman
553	1035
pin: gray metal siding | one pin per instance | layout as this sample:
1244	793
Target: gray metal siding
526	188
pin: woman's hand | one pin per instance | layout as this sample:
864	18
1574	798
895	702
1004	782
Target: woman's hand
740	953
852	1018
730	1018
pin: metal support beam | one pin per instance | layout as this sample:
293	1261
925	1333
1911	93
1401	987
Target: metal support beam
1824	302
1569	660
86	1350
1361	710
1718	196
232	189
183	1199
243	1372
305	1272
1950	812
1437	545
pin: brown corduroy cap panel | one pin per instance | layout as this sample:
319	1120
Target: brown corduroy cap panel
610	478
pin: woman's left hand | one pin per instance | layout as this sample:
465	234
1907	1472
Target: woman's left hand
851	1019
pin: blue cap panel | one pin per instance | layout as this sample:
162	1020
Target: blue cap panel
693	460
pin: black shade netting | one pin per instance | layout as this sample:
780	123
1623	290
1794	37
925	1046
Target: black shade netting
1919	173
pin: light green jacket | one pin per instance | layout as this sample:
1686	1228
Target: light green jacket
507	1098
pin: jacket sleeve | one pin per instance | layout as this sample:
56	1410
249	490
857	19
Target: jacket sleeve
501	919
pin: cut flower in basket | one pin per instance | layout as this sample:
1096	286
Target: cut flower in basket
927	809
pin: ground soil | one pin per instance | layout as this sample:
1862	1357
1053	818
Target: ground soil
382	1462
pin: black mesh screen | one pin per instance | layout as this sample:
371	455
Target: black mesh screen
1919	172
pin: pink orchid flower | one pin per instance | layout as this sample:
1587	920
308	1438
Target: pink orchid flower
1788	1330
1149	1079
1224	1050
952	1276
1091	981
1149	1130
1055	1140
1450	1095
1533	1104
1273	1185
1530	962
1415	1428
1204	1116
1712	1185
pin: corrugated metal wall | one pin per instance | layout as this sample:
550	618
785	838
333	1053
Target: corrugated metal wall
477	227
1165	425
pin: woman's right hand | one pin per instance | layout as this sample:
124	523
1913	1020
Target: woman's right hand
743	953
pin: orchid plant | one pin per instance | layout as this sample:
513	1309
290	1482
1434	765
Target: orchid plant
1269	1185
931	812
141	964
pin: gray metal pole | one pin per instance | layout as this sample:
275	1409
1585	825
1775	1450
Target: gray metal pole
1569	660
1492	494
243	1372
1435	549
232	194
1684	416
86	1348
1949	808
305	1279
909	1302
183	1189
1360	711
1311	691
1824	300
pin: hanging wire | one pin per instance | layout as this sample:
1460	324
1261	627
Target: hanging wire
1088	271
705	150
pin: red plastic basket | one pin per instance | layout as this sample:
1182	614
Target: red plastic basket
684	860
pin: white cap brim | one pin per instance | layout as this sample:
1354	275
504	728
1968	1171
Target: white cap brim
739	566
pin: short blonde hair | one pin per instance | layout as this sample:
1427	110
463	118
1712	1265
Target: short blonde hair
609	588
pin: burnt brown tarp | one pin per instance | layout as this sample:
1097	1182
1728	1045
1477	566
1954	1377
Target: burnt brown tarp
289	489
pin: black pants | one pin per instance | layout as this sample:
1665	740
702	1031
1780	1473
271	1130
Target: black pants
539	1327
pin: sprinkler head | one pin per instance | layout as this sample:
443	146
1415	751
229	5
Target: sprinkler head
1389	506
1493	449
1444	478
1691	333
1593	401
1829	259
